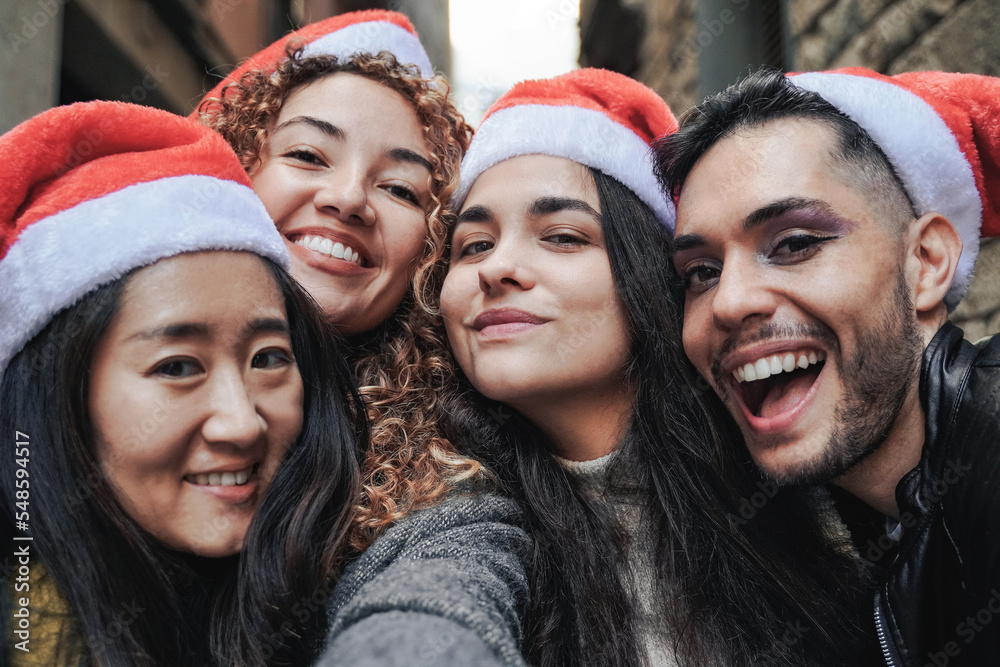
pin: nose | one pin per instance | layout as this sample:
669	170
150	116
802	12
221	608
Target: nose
343	193
505	268
233	418
742	293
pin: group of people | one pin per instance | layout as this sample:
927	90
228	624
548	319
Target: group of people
319	376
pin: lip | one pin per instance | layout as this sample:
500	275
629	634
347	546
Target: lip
324	262
230	493
502	322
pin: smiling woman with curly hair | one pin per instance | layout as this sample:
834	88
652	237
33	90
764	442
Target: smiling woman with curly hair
355	156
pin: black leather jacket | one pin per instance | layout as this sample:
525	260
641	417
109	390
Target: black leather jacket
940	603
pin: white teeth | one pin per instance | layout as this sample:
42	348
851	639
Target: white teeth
328	247
221	478
765	367
788	363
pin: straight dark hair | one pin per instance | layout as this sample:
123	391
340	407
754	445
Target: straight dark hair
727	588
767	95
183	609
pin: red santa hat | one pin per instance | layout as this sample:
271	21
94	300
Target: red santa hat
368	31
598	118
94	190
941	132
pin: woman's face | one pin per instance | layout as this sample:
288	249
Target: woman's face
529	302
346	177
195	397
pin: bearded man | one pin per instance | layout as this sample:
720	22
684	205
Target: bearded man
827	223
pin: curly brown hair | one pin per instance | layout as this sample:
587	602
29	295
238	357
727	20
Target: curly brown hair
405	369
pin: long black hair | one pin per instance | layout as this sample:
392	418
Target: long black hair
136	601
731	584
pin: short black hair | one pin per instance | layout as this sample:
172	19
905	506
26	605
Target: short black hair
767	95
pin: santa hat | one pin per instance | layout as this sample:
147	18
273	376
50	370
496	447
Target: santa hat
941	132
369	31
94	190
598	118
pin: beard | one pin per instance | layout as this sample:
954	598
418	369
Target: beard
876	381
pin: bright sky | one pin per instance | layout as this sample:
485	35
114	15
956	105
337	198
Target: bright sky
496	43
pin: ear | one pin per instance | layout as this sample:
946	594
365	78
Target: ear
934	252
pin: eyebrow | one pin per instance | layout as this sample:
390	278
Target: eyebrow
183	330
476	213
411	157
549	205
780	208
334	132
763	214
326	128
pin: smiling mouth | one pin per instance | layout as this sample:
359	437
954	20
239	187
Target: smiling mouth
775	384
234	478
325	246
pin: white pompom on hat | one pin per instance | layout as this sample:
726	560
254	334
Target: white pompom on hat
369	31
941	133
601	119
96	189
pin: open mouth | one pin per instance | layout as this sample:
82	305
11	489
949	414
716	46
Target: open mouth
235	478
773	385
325	246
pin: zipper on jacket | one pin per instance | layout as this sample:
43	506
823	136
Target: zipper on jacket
884	641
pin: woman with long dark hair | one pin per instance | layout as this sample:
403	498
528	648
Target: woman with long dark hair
185	425
558	307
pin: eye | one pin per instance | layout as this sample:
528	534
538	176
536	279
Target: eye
475	248
403	192
305	155
799	246
565	239
700	277
271	358
178	368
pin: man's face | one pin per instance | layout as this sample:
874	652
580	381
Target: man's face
796	308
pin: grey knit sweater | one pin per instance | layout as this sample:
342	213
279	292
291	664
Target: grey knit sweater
444	587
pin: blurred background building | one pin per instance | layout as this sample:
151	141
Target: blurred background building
165	53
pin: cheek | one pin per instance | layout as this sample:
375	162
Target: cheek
405	243
273	191
287	411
